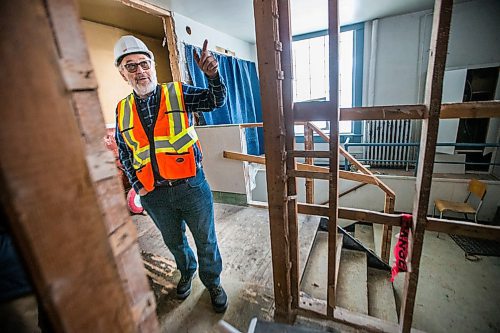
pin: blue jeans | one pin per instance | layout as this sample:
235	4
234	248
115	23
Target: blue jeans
191	203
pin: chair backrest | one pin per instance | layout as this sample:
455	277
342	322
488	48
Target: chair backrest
478	188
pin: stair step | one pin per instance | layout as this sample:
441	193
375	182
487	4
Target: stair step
352	290
315	278
381	302
364	233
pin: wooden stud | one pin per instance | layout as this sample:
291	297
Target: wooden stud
387	230
310	153
72	49
47	191
333	117
267	32
309	146
285	46
434	87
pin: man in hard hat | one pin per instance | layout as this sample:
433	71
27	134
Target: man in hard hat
161	155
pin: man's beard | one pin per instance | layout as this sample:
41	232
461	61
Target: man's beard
143	90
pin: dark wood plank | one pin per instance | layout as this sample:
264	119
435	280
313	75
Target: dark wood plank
309	146
433	94
315	308
463	228
53	209
270	74
286	66
307	111
389	112
310	153
487	109
76	67
72	48
333	59
387	230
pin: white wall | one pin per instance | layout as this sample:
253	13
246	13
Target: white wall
223	175
402	43
372	198
200	32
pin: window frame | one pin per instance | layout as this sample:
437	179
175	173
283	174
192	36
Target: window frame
357	77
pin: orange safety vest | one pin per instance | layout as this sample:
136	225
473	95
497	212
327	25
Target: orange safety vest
173	137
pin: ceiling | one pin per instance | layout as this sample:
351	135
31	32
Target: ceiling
115	14
235	17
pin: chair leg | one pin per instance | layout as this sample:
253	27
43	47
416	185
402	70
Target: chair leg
440	216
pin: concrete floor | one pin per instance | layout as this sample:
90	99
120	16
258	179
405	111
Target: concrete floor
243	235
454	294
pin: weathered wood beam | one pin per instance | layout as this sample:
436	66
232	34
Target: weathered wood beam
72	48
316	308
287	88
310	111
147	7
302	167
310	153
173	52
354	161
430	126
385	251
271	75
46	185
487	109
309	146
463	228
333	117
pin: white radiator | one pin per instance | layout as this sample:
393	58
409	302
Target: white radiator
388	131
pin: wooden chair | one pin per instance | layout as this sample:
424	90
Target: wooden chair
477	188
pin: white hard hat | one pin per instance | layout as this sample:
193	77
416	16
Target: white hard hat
128	45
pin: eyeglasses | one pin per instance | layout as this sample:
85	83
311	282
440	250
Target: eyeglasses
131	67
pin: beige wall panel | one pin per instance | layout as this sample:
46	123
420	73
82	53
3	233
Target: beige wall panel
101	40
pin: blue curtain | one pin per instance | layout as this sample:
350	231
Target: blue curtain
243	95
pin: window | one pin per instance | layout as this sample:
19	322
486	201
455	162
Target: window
310	66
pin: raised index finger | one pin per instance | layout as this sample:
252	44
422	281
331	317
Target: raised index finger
205	45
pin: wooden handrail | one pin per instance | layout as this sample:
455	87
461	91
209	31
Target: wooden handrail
359	177
433	224
354	161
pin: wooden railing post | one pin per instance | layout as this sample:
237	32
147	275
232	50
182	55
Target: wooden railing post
433	93
269	49
309	145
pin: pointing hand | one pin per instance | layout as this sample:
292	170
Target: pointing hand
207	62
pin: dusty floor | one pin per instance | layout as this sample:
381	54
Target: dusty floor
243	235
454	294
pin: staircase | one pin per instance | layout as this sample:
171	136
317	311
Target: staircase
360	288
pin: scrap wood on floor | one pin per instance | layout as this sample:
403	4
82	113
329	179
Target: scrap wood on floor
160	273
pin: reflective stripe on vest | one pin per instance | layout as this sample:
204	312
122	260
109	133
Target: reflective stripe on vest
141	153
172	133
